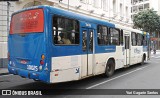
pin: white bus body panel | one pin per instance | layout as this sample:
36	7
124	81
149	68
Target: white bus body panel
65	68
136	54
69	68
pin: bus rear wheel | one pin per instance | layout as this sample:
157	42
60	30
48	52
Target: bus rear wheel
110	67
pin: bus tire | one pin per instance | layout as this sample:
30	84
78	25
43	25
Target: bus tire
143	58
110	67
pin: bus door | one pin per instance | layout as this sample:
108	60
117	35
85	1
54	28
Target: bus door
127	50
88	52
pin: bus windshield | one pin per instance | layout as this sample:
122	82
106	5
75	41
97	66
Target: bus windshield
29	21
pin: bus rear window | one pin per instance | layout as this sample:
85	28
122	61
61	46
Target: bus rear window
30	21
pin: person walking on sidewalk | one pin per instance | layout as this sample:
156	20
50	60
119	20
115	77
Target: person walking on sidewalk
154	51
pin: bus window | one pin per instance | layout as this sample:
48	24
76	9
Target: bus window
114	36
134	39
139	39
144	40
91	41
127	42
102	35
121	37
65	31
84	40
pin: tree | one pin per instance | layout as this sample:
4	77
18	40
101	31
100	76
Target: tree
147	20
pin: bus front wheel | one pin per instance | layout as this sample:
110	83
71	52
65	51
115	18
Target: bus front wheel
110	67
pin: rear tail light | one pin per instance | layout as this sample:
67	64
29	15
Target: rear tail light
41	62
42	59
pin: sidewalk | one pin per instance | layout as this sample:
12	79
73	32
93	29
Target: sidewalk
3	71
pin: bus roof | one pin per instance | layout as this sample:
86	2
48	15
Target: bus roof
69	14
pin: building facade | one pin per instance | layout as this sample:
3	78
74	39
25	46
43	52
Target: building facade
139	5
117	11
6	9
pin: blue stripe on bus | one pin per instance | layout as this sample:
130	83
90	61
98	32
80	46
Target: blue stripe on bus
77	50
105	49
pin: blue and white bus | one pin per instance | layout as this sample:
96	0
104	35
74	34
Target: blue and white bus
54	45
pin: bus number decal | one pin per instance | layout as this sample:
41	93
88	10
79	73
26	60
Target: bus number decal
32	67
88	25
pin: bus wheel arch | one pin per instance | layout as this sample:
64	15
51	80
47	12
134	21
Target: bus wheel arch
110	67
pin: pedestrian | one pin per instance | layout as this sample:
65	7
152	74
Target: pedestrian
154	51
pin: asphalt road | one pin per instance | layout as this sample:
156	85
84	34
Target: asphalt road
145	76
